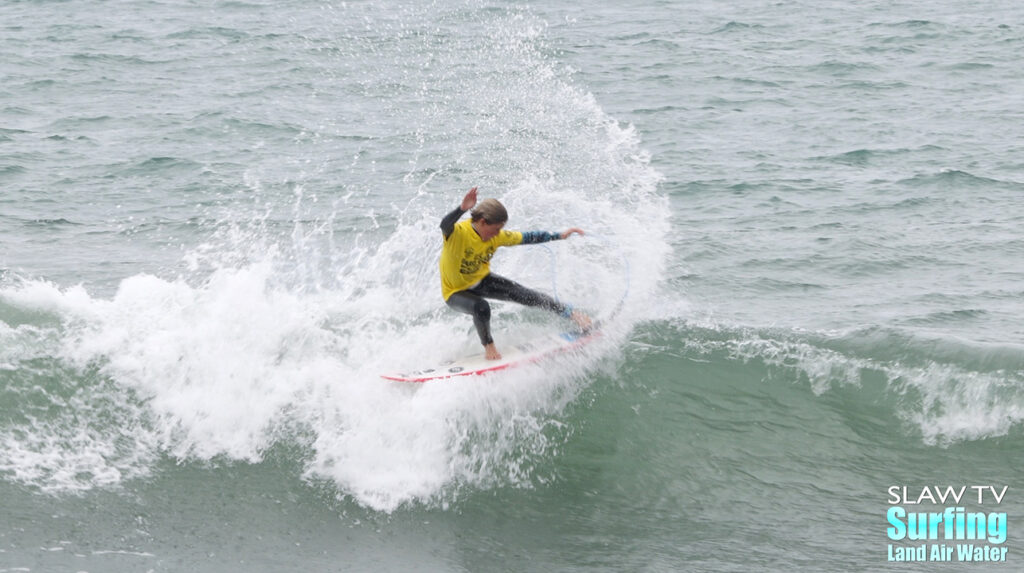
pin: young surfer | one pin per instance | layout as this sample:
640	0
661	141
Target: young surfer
466	278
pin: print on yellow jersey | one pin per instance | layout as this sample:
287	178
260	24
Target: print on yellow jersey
466	258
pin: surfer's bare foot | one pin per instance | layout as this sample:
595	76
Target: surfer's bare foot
582	320
491	353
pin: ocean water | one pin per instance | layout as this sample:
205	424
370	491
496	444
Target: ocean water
218	226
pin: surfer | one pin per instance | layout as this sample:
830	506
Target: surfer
466	277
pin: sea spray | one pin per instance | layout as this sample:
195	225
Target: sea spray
310	283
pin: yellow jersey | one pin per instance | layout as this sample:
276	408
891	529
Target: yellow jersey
466	258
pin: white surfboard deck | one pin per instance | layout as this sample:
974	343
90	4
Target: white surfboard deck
514	355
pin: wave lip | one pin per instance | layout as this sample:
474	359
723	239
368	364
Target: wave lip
942	390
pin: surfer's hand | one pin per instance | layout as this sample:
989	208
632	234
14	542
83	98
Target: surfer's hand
469	201
565	234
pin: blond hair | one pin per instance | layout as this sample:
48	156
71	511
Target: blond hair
491	211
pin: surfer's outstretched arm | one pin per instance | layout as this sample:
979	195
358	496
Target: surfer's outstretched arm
534	237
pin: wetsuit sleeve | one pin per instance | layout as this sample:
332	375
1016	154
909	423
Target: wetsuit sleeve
448	223
533	237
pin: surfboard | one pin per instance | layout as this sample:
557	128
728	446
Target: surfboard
527	352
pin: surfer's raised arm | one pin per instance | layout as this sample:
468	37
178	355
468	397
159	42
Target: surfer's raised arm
448	223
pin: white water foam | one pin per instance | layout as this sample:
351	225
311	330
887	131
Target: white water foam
228	368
